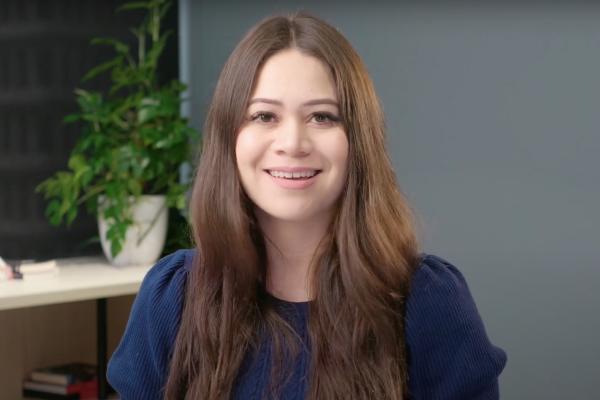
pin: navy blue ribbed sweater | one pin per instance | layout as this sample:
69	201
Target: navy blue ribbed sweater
450	356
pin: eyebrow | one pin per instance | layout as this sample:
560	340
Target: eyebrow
306	104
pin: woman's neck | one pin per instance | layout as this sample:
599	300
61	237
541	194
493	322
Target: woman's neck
290	249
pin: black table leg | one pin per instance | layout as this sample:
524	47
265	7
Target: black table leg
101	347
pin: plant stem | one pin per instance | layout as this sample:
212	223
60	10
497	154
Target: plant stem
93	191
141	48
156	24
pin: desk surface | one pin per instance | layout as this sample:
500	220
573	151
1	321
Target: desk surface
78	279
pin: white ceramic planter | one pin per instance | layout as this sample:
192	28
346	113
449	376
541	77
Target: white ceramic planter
145	239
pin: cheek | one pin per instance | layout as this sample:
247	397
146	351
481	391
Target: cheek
339	151
245	149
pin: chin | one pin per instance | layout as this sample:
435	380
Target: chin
289	216
284	215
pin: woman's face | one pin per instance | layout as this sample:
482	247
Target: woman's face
292	150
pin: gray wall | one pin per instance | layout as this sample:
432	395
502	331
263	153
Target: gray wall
494	131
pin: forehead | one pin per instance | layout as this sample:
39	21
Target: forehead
291	75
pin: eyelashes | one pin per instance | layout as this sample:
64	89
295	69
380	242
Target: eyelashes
320	118
264	117
327	117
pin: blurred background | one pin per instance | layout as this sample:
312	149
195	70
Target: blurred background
493	123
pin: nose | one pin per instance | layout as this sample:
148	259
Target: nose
292	139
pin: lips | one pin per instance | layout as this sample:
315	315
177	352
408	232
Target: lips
305	174
287	172
299	179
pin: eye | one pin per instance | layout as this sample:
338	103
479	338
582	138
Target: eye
325	118
263	117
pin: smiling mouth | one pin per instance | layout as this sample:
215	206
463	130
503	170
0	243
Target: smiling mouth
295	176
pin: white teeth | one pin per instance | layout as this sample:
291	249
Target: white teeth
293	175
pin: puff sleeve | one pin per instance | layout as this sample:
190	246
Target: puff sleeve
138	368
450	356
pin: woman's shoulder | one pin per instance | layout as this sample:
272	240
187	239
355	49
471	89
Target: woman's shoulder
439	297
450	354
163	287
162	292
164	284
173	266
435	277
138	366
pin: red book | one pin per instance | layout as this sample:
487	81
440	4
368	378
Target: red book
80	390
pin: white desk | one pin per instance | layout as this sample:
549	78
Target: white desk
78	279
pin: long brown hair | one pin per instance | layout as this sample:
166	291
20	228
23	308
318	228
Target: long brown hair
360	274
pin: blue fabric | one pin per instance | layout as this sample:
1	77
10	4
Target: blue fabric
450	355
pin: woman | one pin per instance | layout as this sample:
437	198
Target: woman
307	281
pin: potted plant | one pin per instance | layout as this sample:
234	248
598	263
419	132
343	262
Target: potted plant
125	166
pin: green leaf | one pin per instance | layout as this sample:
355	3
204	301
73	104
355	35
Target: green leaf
134	187
164	9
77	162
86	177
157	50
119	46
71	214
149	108
52	212
102	68
71	118
116	235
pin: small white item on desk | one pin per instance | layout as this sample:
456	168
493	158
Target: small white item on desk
28	270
